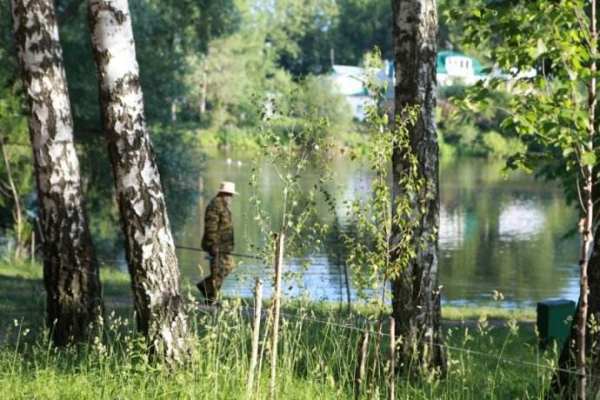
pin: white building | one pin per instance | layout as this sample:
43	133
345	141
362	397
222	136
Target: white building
453	68
350	82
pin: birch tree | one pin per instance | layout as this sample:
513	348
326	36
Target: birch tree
554	113
149	244
415	293
70	269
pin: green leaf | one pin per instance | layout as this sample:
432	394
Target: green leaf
541	47
588	158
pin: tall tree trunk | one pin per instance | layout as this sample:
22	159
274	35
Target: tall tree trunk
564	382
149	244
587	243
203	90
416	297
587	221
581	350
70	269
593	314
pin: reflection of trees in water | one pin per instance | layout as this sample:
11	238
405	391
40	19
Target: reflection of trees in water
180	161
511	237
99	195
474	195
335	250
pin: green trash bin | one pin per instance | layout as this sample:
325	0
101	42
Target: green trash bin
554	319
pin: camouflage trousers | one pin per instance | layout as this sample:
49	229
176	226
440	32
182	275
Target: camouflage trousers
220	267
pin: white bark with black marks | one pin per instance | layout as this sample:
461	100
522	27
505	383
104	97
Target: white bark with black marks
70	270
416	297
587	221
582	349
149	244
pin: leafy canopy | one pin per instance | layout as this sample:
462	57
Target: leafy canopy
542	51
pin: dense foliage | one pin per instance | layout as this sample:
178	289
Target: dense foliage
203	66
547	102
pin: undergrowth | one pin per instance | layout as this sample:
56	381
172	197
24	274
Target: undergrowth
318	353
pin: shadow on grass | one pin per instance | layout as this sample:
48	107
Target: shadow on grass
23	296
318	348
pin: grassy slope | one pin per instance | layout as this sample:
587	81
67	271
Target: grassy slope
317	358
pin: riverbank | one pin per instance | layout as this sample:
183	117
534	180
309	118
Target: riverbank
215	143
317	358
460	133
22	294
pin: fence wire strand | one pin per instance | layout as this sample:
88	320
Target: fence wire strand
108	262
367	327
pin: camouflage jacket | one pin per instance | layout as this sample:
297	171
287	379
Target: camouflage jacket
218	227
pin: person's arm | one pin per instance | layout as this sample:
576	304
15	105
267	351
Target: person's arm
211	230
226	233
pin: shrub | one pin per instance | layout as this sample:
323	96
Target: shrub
499	146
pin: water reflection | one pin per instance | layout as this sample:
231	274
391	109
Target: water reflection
511	238
497	232
452	228
521	220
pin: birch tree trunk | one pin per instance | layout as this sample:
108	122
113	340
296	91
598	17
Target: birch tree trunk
70	269
565	382
585	340
416	297
587	221
149	245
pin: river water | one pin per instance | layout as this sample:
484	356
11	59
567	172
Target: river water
497	232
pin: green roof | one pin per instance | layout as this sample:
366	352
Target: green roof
478	68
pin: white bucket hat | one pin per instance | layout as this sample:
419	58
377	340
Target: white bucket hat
228	187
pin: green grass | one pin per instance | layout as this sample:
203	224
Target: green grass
317	353
234	139
492	313
246	140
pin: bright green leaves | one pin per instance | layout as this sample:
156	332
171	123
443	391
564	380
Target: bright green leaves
588	158
538	50
373	257
548	107
291	141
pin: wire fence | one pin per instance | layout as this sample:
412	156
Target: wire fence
362	325
367	326
358	328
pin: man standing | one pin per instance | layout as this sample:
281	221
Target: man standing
218	241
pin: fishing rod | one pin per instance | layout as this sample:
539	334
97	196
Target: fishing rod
204	251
